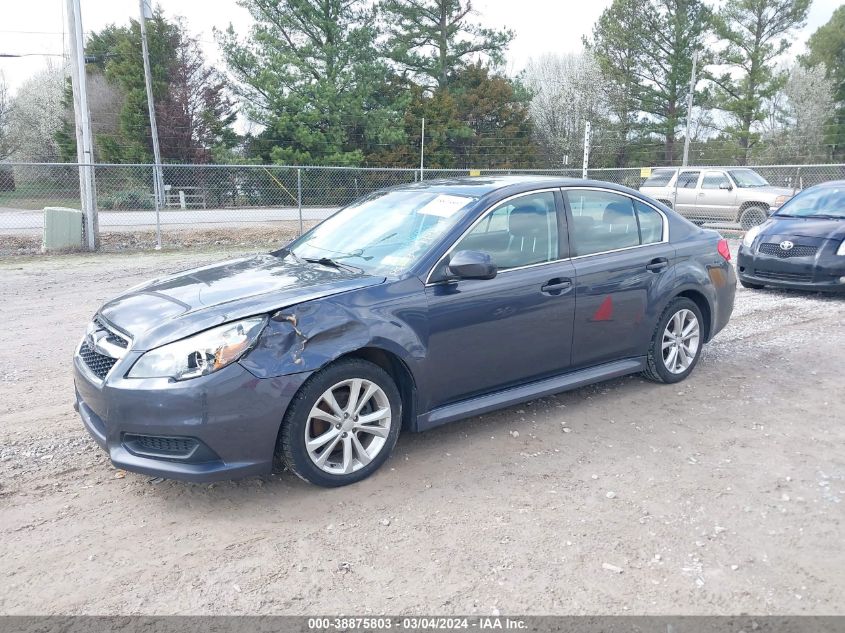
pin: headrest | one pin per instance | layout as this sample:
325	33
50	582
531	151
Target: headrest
582	222
528	220
618	213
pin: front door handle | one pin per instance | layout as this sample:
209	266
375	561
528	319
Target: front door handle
556	285
657	265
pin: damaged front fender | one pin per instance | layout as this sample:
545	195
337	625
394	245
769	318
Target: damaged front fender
305	337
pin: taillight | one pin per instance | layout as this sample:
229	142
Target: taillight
724	250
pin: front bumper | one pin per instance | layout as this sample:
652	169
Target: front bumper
226	422
822	272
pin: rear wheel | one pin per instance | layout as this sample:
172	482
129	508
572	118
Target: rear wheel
342	425
676	343
752	216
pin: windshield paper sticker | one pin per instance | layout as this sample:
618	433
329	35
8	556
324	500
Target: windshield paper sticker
445	206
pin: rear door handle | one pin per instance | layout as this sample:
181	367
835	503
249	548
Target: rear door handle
657	265
556	285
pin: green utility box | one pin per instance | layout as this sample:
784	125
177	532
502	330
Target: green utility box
62	229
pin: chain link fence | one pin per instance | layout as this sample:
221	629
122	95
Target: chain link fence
249	202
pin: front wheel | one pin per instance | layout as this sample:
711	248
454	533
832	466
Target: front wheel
752	216
676	343
342	424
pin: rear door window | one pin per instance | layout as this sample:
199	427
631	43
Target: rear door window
688	179
601	221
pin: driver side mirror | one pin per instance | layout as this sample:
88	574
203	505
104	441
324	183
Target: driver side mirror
726	185
471	265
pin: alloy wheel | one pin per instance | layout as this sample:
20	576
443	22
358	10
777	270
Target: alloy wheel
348	426
680	341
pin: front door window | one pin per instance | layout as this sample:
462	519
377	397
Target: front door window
519	232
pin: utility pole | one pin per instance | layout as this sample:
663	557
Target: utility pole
422	148
84	144
689	107
587	129
158	180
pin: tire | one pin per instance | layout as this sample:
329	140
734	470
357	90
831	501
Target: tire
750	286
657	365
356	449
752	216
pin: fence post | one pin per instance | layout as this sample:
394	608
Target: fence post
157	196
299	197
675	198
586	150
797	180
422	148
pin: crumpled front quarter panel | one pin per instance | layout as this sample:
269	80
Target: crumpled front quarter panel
307	336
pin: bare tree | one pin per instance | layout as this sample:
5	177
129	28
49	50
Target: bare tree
798	117
37	116
567	90
6	146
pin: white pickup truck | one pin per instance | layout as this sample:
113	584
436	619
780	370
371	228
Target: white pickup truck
708	194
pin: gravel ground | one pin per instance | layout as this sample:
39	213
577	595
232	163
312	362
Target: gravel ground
720	495
260	236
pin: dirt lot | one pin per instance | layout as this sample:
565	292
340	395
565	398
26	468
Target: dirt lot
723	494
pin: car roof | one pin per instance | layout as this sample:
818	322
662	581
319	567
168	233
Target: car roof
479	186
830	183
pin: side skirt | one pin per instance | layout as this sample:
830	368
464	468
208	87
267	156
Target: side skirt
531	391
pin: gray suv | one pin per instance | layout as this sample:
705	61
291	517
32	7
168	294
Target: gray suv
707	194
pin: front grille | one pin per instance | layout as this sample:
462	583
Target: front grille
781	276
795	251
99	364
112	337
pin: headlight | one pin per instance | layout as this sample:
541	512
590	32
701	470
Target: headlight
779	201
200	354
750	234
841	249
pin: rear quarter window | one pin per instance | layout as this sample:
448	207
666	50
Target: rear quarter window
651	223
659	178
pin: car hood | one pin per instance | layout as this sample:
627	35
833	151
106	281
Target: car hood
768	192
172	307
804	227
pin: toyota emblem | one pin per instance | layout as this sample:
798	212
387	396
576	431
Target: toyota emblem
786	245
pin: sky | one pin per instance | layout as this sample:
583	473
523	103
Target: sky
541	26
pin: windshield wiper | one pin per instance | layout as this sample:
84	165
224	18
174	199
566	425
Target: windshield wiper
328	261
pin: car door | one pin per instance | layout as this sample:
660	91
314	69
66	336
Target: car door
620	250
488	334
716	196
685	193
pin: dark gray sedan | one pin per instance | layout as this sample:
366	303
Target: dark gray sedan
413	307
802	246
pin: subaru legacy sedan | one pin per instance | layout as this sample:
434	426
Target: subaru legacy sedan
412	307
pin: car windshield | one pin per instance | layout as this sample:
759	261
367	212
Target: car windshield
747	178
383	234
828	202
